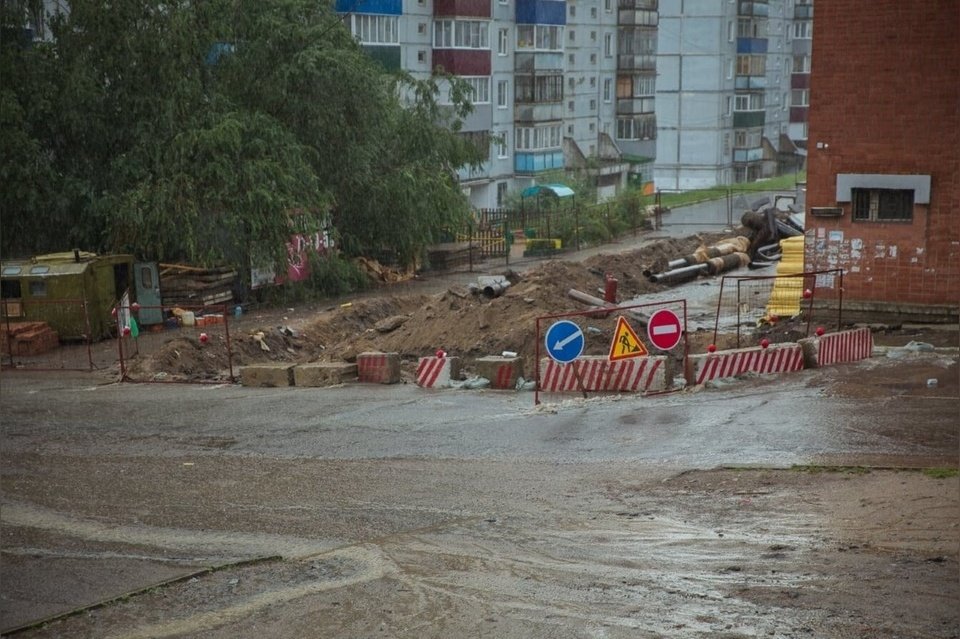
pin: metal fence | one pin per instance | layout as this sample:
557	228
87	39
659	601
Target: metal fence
781	308
51	335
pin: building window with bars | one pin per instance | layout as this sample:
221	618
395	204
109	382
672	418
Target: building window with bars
882	205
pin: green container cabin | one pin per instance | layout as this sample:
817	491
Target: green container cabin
52	288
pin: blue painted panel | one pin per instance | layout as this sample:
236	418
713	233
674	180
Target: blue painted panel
380	7
751	45
535	162
541	12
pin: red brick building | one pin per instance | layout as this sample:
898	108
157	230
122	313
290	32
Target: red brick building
883	182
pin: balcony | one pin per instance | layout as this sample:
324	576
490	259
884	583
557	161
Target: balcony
626	62
799	113
637	18
461	8
471	174
541	12
638	4
751	45
759	9
635	106
383	7
387	55
462	61
748	155
538	62
800	81
750	82
525	162
803	12
530	113
748	119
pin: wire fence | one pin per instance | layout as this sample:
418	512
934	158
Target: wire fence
780	308
50	335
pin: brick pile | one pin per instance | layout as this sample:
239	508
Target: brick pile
27	338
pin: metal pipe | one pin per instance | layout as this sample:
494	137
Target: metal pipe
496	289
678	274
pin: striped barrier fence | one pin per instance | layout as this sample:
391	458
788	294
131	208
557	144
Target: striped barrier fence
777	358
503	372
436	372
837	348
594	373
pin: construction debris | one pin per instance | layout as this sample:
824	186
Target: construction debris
183	285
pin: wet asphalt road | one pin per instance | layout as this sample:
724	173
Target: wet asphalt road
110	488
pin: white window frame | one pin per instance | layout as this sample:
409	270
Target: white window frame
608	45
539	138
540	37
461	34
503	41
375	29
607	89
481	88
503	145
503	93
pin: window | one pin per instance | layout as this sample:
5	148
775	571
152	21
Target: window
10	289
636	86
38	288
607	84
502	145
593	105
570	129
480	139
573	11
593	12
543	37
751	64
538	138
421	56
730	32
503	41
729	109
593	58
537	89
371	29
803	29
422	28
607	5
801	64
573	35
882	205
481	89
748	28
747	138
748	102
593	36
593	82
460	34
572	59
730	64
571	106
503	89
501	193
642	128
607	45
800	97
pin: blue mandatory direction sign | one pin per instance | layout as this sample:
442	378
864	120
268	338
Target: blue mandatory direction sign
564	341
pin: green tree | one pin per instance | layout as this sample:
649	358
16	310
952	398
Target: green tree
185	130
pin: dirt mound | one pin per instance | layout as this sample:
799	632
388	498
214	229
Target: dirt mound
461	322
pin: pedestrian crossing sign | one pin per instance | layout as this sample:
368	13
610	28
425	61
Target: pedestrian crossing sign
625	342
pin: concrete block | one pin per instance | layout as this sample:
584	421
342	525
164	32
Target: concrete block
267	375
436	372
650	374
324	374
502	372
777	358
837	348
378	368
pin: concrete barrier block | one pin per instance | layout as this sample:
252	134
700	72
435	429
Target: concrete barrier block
378	368
436	372
502	372
837	348
777	358
267	375
324	374
596	374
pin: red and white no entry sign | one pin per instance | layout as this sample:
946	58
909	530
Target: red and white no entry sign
664	329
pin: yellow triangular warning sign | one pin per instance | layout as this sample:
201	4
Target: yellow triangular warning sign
625	342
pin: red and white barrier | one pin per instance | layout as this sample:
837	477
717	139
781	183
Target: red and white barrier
635	375
502	372
837	348
378	368
777	358
436	372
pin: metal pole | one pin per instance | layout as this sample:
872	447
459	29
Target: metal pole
576	222
840	302
226	331
86	321
536	367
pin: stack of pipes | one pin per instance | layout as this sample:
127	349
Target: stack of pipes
721	257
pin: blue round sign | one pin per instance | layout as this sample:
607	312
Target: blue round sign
564	341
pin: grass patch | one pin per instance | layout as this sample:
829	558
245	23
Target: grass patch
815	469
782	183
941	473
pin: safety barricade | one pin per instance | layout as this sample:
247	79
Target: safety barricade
777	358
837	348
593	374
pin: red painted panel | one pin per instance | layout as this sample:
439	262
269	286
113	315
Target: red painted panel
462	61
463	8
800	81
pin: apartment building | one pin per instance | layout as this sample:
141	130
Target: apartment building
715	90
724	90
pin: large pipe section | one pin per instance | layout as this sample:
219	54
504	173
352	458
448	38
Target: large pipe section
678	274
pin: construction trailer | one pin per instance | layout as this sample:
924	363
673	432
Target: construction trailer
73	292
